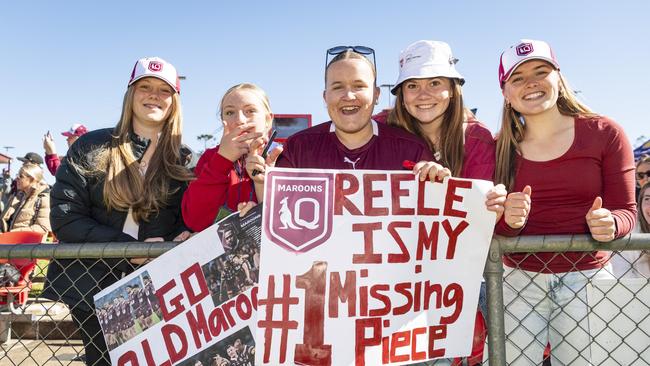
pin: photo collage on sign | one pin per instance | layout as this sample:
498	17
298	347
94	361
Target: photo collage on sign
128	311
235	350
237	270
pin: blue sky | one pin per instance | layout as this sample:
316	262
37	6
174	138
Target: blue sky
69	61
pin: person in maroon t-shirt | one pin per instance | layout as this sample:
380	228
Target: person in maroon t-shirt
429	103
351	140
569	171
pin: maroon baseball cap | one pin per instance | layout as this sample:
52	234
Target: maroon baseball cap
76	129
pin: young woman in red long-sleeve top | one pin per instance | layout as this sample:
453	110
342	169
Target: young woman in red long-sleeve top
222	183
569	171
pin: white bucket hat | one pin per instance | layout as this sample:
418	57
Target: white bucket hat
524	50
158	68
426	59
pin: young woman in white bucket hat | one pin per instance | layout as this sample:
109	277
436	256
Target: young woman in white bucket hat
569	171
429	103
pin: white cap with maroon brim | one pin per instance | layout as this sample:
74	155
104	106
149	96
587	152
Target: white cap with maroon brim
76	129
525	50
158	68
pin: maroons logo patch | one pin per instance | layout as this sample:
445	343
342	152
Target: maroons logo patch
524	49
155	66
298	209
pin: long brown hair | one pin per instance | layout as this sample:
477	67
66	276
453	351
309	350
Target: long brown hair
513	130
451	130
124	185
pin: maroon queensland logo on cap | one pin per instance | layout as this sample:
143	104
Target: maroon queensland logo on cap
299	210
155	66
524	49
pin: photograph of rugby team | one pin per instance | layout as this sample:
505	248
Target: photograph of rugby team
235	350
129	310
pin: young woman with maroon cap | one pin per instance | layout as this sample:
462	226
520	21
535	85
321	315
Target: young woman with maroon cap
120	184
570	171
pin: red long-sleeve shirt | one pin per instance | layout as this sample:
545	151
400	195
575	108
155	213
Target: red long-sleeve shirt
52	161
217	183
598	163
479	148
480	152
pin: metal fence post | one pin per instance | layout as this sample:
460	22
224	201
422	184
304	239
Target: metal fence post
494	283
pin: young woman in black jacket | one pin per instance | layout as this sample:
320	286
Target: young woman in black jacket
122	184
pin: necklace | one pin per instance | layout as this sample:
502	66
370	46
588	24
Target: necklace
143	167
437	155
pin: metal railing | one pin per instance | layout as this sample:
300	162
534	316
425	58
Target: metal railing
494	272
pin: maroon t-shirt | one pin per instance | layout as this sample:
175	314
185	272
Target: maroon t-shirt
598	163
319	148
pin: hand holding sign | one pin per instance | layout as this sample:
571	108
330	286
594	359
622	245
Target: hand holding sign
496	199
430	170
601	222
244	207
517	208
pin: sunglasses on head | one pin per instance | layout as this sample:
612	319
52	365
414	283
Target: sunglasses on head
641	175
362	50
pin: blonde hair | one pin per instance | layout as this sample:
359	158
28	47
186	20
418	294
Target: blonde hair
351	55
124	185
513	131
451	130
249	87
33	171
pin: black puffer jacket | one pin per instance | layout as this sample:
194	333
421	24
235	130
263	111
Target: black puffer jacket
79	215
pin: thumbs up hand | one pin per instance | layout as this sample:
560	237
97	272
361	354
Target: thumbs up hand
601	222
517	208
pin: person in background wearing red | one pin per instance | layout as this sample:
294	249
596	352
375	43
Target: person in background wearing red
569	171
222	184
429	104
52	159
